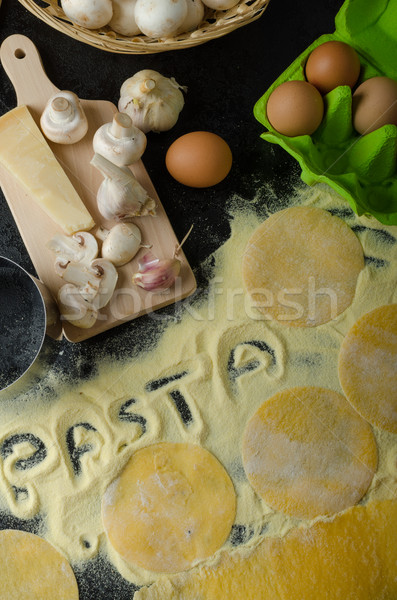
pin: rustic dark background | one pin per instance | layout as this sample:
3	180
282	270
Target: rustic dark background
224	78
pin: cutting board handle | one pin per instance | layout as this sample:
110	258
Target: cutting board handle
22	63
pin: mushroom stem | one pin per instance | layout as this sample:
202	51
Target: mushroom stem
147	85
61	109
121	126
111	171
102	233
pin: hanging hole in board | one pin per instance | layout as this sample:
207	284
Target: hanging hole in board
19	53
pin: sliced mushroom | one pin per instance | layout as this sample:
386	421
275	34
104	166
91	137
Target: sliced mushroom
109	276
74	308
95	282
84	277
121	242
108	280
80	247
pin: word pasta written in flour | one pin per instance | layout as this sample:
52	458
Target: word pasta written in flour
27	455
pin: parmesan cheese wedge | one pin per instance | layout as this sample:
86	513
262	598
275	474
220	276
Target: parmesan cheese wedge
25	153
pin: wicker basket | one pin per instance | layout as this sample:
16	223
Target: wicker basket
215	24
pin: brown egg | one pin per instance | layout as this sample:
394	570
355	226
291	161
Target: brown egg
375	104
332	64
199	159
295	108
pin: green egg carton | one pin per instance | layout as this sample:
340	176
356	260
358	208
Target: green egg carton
361	168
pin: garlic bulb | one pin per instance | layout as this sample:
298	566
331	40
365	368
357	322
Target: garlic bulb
121	196
151	100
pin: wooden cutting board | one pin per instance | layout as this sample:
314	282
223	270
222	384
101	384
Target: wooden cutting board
22	64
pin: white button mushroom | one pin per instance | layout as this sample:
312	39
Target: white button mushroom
160	18
121	243
88	13
123	20
63	120
195	14
120	141
74	308
221	4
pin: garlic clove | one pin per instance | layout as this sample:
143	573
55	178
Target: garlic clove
148	262
74	308
155	275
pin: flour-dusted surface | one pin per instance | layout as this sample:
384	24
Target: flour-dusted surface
368	366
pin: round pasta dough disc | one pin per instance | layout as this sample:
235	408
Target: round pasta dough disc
368	367
301	266
307	453
173	505
32	568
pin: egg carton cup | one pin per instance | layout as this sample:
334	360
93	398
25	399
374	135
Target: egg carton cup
214	25
362	169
